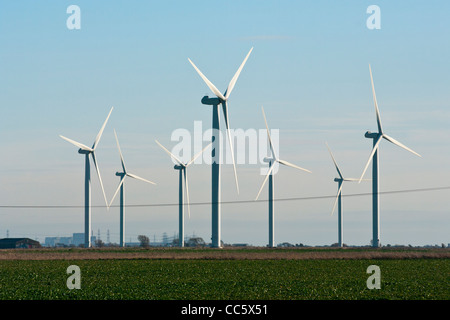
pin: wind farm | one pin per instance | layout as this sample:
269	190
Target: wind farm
273	161
200	193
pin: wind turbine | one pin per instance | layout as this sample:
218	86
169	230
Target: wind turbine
122	176
221	99
374	156
182	168
87	180
338	200
272	160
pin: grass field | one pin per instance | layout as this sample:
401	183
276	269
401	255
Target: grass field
206	277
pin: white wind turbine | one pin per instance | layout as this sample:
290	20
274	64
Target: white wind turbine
87	180
122	176
338	200
272	160
182	168
374	156
221	99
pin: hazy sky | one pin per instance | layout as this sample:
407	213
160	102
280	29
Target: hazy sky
308	69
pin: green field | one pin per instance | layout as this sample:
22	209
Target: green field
153	279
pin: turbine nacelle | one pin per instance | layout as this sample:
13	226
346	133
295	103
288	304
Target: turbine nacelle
211	101
178	167
372	135
82	151
269	159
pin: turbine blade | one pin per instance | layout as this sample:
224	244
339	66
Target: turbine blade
292	165
375	147
265	180
197	155
208	83
337	198
355	179
380	130
227	124
268	135
120	153
99	176
122	179
335	164
392	140
99	135
187	192
139	178
236	76
79	145
170	153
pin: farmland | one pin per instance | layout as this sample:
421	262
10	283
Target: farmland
236	274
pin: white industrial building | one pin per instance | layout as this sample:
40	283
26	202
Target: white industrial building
76	240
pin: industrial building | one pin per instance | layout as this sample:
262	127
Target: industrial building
76	240
15	243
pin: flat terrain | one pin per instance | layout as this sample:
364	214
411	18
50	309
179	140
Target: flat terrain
227	253
225	274
145	279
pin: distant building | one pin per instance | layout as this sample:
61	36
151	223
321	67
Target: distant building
78	239
15	243
57	241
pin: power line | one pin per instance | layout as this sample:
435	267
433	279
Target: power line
222	202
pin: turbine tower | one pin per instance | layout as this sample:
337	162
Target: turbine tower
221	99
374	156
182	168
338	200
272	160
87	179
121	187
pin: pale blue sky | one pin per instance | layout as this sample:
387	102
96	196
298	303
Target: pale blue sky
309	69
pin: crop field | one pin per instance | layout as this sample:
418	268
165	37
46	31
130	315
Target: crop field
211	274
